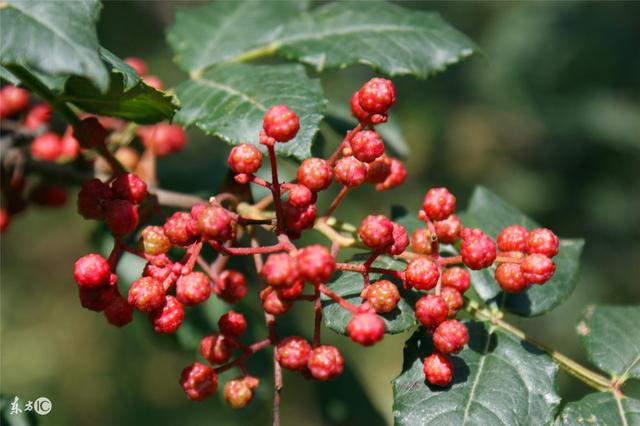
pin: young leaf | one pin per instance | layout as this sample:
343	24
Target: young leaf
497	379
230	102
600	409
611	337
492	214
349	286
53	38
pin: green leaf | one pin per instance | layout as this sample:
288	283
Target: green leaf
53	38
600	409
611	337
117	65
497	380
221	31
349	285
230	102
492	214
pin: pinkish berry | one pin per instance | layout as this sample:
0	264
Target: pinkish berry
325	362
356	109
146	294
232	324
273	302
292	292
119	313
69	146
215	223
431	311
91	271
96	299
366	328
92	198
438	369
367	146
315	174
231	286
316	264
448	230
377	95
477	251
130	187
137	64
46	147
421	241
38	116
350	172
376	232
513	238
299	218
439	203
280	270
301	196
422	274
456	277
154	241
293	353
510	277
453	298
379	170
121	216
180	229
90	133
450	337
280	123
13	100
163	138
542	241
396	177
168	318
537	268
400	240
198	381
245	158
216	349
383	296
238	392
160	273
193	288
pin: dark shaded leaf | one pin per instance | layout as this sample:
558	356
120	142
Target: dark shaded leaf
600	409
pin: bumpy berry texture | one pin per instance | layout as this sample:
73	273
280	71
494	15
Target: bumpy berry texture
315	174
121	216
396	177
356	109
513	238
245	158
400	240
377	95
154	241
431	311
421	241
453	299
280	123
215	349
315	264
181	229
439	203
376	232
478	251
537	268
367	146
91	271
238	392
293	353
193	288
510	277
198	381
301	196
146	294
379	170
280	269
325	362
366	328
168	318
215	223
438	369
448	230
350	172
231	286
456	277
130	187
422	274
383	296
273	302
293	291
542	241
232	324
298	219
450	337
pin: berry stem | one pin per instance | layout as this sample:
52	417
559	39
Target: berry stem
362	269
336	298
318	317
248	352
336	154
277	388
275	190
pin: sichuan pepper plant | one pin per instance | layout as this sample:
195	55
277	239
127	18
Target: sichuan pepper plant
451	276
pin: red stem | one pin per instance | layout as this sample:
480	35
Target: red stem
339	300
243	358
318	317
336	154
275	189
362	269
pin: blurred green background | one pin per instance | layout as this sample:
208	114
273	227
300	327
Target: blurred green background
548	116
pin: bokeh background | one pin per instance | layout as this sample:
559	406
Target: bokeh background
548	116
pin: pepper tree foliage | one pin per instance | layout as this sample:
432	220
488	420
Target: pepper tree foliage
501	376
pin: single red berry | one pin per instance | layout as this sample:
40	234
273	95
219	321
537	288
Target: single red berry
301	196
168	318
422	274
121	216
91	271
245	158
421	241
542	241
92	198
39	115
510	277
90	133
273	302
350	172
456	277
238	392
366	328
396	177
130	187
232	324
537	268
383	296
46	147
431	311
292	292
438	369
96	299
216	349
154	241
215	223
315	264
377	95
163	138
198	381
193	288
146	294
450	337
119	313
280	269
231	286
315	174
453	298
181	230
477	251
379	170
448	230
280	123
293	353
513	238
356	109
439	203
48	195
13	100
376	232
69	146
367	145
137	64
325	362
400	240
299	218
